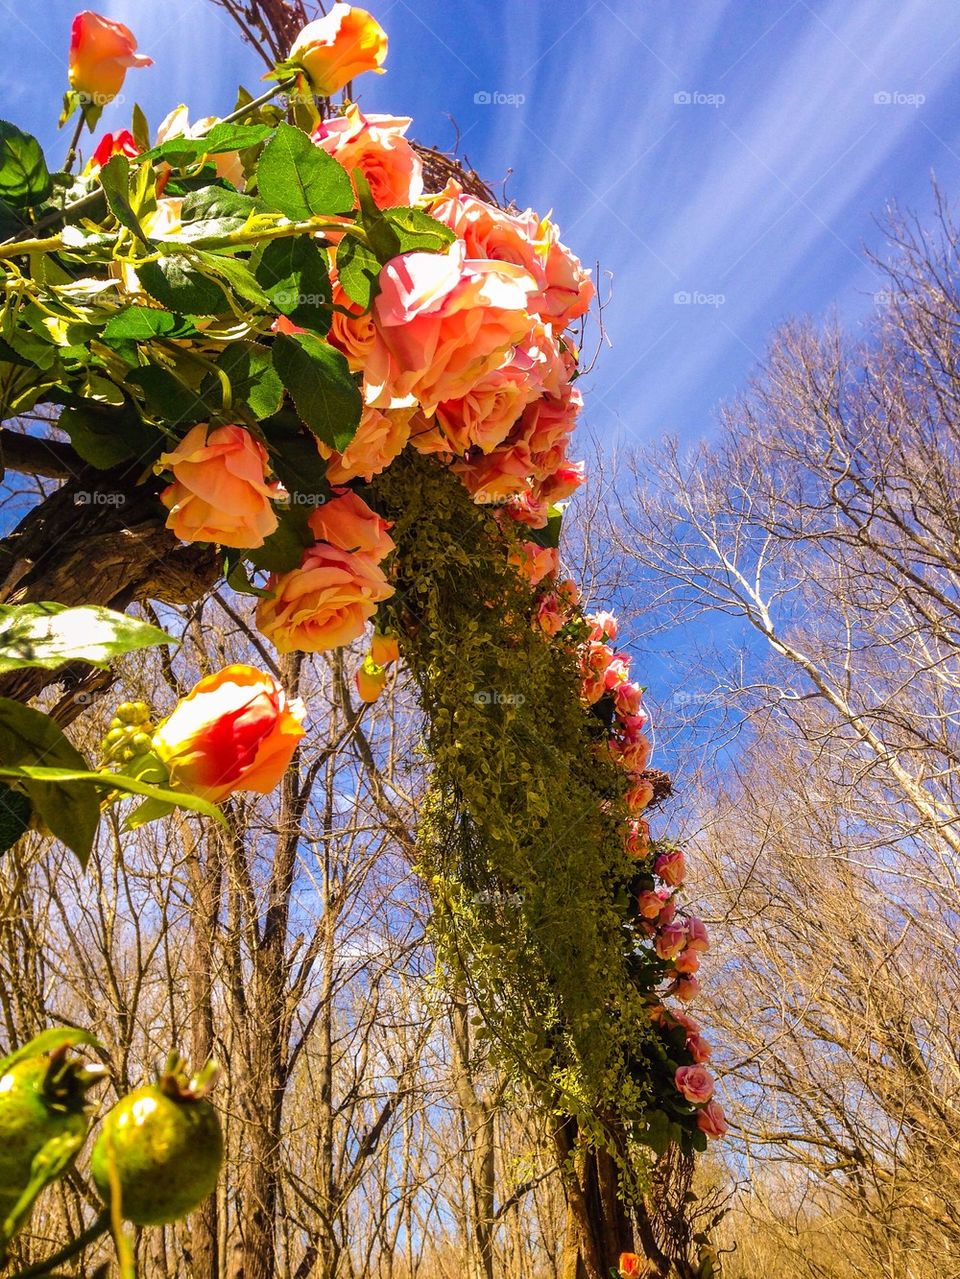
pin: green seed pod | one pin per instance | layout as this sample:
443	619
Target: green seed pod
161	1146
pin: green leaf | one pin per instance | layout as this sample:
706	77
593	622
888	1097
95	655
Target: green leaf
417	230
299	179
35	773
215	210
296	460
24	176
179	152
168	399
253	379
15	814
139	324
549	535
48	1041
115	180
179	287
237	273
283	549
104	436
321	386
293	274
358	269
31	744
236	578
50	635
140	128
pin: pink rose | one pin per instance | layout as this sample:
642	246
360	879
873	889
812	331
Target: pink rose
671	868
633	755
549	618
626	698
670	940
637	842
535	562
603	627
549	421
442	323
711	1120
563	289
564	482
220	492
696	1084
377	146
527	509
699	939
698	1048
685	989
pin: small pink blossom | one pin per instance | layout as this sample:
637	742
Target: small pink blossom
696	1084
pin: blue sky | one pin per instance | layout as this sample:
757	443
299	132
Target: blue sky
733	151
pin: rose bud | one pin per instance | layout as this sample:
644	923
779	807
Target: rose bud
100	53
334	49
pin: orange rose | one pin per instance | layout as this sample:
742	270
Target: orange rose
631	1266
380	437
348	523
100	53
385	649
235	730
334	49
323	604
376	145
220	492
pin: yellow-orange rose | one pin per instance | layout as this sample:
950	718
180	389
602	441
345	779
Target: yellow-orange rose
220	492
236	730
334	49
100	53
323	604
380	437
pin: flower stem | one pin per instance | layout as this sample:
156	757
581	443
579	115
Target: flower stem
98	1227
74	142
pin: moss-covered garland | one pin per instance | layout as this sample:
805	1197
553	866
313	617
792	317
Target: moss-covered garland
522	838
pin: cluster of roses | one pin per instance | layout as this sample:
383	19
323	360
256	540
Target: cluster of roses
464	354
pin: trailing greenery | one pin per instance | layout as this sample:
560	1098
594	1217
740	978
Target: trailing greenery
521	840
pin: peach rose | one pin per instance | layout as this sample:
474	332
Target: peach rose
711	1120
626	700
639	796
637	842
632	755
235	730
603	627
100	53
323	604
549	421
671	867
349	524
687	962
495	477
380	437
564	289
549	616
334	49
631	1266
220	492
385	649
377	146
699	938
535	562
563	482
442	322
353	334
696	1084
685	989
651	903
